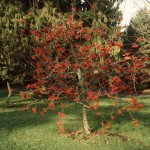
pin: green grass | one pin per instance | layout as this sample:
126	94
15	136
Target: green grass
27	131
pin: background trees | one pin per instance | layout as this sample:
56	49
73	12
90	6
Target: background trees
15	46
139	27
17	20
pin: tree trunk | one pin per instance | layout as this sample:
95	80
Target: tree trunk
86	127
84	109
9	93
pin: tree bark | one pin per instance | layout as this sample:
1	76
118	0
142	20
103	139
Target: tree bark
9	93
86	127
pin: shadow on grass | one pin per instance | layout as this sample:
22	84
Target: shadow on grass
142	116
3	94
17	119
12	118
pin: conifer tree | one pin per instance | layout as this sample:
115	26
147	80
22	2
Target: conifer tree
139	27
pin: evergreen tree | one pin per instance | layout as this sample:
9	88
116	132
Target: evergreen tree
92	12
137	36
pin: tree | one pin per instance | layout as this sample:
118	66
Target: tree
105	11
139	27
15	45
18	18
93	13
70	67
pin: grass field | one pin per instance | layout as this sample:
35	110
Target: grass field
28	131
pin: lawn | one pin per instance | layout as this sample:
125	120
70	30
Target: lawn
28	131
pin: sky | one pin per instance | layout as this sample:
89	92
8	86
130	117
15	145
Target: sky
130	7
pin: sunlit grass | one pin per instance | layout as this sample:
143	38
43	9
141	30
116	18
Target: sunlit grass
25	130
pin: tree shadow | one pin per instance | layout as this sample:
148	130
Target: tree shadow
122	119
3	93
14	118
